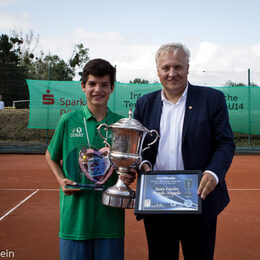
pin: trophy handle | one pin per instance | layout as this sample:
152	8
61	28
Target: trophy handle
105	140
154	141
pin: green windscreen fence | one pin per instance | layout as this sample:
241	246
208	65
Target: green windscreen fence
50	99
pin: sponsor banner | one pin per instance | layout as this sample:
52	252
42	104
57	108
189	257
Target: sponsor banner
49	100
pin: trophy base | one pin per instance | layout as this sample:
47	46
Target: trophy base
118	201
119	196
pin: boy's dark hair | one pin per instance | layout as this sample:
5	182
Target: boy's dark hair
99	67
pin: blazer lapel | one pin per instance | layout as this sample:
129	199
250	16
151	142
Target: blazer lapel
158	112
192	97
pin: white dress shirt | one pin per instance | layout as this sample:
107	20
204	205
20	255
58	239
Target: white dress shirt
169	156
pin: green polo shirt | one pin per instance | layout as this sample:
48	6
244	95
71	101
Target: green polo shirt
82	215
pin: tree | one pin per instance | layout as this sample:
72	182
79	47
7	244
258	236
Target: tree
54	68
79	57
254	84
49	67
139	81
41	66
12	76
19	61
27	55
230	83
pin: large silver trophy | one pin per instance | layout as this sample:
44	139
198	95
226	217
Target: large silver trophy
127	140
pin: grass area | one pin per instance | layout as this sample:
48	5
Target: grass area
242	140
14	129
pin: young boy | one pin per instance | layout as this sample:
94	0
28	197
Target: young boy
88	229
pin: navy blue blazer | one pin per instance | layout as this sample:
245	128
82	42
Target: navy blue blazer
207	138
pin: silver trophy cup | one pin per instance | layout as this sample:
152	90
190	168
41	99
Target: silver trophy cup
127	139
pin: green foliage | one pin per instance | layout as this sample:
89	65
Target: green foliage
230	83
253	84
22	134
16	128
19	61
139	81
79	56
49	67
12	75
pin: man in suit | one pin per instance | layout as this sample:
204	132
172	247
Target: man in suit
195	134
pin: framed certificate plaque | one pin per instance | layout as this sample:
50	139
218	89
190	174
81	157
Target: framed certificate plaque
168	192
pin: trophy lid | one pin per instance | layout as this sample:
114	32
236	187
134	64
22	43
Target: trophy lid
129	123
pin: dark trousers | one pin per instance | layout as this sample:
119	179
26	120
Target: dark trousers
165	233
98	249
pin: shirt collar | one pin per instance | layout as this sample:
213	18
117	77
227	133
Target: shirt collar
88	114
182	98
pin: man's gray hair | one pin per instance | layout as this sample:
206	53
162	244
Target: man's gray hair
174	47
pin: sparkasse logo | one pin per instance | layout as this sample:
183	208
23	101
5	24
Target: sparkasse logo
48	99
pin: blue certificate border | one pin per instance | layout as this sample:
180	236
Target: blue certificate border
168	192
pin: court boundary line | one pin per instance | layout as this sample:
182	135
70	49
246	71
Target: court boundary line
18	205
46	189
37	190
243	189
24	189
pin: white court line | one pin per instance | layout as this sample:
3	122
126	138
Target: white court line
19	204
245	189
14	189
28	197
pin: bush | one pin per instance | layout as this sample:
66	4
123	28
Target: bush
14	128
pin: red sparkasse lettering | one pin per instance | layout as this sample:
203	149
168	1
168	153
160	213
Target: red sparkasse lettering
72	102
48	99
65	111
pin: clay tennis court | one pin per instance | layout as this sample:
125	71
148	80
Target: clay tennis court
29	218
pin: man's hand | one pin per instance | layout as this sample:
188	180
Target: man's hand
145	167
129	177
207	185
68	191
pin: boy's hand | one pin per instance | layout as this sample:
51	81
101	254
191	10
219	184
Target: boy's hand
68	191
